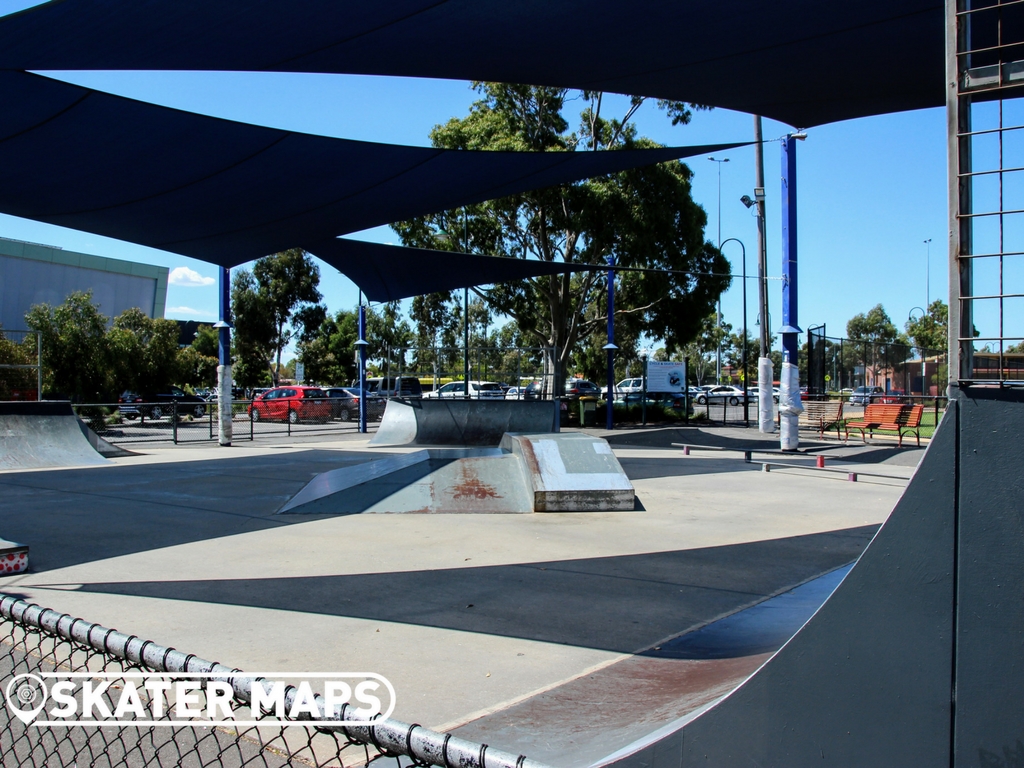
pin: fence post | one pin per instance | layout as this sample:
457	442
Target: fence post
209	412
251	437
288	421
174	420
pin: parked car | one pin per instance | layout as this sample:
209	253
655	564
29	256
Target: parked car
894	397
626	386
395	386
530	392
720	394
293	404
156	405
478	390
866	395
345	404
577	388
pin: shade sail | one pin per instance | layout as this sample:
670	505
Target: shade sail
228	192
390	272
804	62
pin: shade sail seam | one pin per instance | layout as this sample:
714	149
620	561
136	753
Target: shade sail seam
763	49
48	120
350	38
178	188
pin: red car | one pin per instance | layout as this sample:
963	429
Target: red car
294	404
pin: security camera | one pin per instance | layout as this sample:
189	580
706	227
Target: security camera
747	201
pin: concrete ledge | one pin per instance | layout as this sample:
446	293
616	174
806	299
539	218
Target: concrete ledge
571	472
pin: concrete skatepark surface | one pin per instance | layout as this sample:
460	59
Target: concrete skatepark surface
484	623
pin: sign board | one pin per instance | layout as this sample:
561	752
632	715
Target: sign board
666	376
300	372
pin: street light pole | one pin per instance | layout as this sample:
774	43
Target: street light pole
743	363
928	276
718	316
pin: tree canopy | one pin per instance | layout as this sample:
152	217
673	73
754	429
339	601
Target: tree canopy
644	217
929	332
273	303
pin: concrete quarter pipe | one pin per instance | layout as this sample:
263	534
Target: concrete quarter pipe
43	434
916	657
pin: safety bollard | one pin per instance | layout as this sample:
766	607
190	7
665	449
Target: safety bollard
852	477
821	462
766	467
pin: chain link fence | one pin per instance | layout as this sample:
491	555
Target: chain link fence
37	641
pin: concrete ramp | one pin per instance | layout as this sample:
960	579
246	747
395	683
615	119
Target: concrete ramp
529	473
868	679
461	422
436	480
43	434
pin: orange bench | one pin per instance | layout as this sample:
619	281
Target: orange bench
822	415
889	418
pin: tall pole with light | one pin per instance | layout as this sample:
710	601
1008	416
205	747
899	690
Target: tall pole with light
718	315
928	276
743	363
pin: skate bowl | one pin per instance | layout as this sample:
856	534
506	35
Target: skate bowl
461	422
43	434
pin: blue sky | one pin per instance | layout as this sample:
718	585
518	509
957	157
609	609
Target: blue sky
871	191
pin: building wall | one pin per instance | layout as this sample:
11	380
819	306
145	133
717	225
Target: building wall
34	274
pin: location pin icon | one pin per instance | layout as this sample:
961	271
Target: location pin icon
26	697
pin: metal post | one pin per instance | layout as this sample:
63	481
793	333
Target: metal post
790	329
174	421
225	381
465	354
643	396
743	363
39	365
610	411
361	343
762	249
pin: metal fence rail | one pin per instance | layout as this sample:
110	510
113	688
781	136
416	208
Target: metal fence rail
191	422
37	640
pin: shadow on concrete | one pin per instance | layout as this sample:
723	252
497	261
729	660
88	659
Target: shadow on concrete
77	516
623	604
647	468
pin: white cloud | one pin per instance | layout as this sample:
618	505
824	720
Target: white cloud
187	311
189	277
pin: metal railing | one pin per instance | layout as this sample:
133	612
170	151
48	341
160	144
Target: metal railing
198	422
35	640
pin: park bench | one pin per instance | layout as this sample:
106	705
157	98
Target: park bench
822	415
889	418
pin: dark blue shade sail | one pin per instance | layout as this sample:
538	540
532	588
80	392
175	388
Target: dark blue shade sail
804	62
227	192
390	272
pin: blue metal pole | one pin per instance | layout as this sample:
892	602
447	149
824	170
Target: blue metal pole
225	380
362	365
609	410
790	328
224	328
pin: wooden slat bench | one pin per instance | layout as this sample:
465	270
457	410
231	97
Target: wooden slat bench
889	418
822	415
